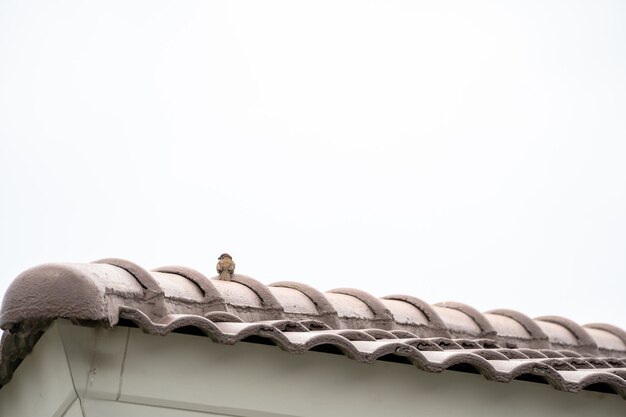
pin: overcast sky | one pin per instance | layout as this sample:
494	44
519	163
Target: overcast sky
454	151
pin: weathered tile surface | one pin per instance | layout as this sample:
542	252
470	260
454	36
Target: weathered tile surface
502	345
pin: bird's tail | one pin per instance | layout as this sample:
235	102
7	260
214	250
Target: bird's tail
225	275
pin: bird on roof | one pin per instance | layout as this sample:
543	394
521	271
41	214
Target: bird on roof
225	267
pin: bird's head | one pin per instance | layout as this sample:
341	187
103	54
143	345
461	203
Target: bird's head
225	256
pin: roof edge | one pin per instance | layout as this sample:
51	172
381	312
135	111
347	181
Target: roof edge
51	291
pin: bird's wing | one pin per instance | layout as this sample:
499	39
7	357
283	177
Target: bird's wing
231	267
219	267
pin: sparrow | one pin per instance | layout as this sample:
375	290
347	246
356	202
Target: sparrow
225	267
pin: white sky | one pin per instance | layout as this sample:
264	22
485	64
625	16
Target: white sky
465	151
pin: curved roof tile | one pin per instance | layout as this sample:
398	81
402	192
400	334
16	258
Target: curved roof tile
422	314
608	338
210	293
581	339
481	326
380	312
145	279
268	301
533	329
321	303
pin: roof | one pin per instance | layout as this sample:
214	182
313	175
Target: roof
501	345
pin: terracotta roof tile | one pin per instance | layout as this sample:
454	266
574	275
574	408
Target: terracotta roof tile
514	327
564	332
514	354
610	339
532	353
321	303
501	345
402	334
477	325
378	334
411	313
